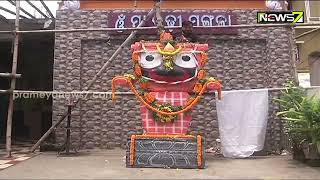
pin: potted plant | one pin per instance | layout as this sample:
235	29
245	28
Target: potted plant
301	115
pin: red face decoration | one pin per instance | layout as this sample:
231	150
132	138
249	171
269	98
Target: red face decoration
169	68
165	73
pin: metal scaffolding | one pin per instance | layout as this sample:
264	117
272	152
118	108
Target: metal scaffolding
13	80
13	75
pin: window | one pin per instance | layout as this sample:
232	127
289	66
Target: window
312	10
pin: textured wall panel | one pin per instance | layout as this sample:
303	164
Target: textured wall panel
255	58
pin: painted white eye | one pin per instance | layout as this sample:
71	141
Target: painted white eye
186	60
150	60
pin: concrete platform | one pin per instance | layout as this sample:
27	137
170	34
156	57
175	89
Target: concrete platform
110	164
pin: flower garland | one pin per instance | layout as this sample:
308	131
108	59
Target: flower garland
199	151
164	112
129	81
132	149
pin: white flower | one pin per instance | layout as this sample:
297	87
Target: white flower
273	4
71	4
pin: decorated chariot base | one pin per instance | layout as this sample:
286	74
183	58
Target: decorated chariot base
169	81
165	151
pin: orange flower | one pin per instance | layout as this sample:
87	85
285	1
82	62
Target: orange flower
199	149
132	149
149	97
190	101
166	36
137	70
143	85
197	88
135	56
201	74
204	59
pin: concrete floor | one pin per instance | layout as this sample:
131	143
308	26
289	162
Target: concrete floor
110	164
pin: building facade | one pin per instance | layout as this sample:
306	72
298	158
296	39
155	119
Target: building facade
244	58
309	44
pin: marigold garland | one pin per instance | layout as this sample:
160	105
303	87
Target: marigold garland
166	108
132	149
199	149
143	85
201	74
130	76
135	56
165	37
203	59
190	100
142	100
137	70
150	98
197	87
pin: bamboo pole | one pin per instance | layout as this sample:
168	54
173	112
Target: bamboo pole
116	53
314	25
5	91
13	81
159	19
10	75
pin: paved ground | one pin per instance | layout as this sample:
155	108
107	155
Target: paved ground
110	164
13	160
19	153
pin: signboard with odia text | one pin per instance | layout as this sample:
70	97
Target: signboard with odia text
175	19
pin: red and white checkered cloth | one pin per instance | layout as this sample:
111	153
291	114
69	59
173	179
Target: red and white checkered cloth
179	126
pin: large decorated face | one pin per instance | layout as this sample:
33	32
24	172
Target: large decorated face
168	66
165	66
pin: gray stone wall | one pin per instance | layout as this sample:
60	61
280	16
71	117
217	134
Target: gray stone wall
254	58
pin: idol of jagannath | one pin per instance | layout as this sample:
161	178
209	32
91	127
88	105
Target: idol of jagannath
169	80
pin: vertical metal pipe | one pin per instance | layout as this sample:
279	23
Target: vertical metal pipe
68	130
13	80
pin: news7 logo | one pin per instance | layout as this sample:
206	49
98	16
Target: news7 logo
280	17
